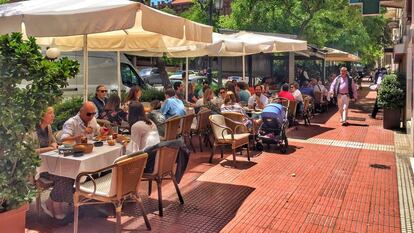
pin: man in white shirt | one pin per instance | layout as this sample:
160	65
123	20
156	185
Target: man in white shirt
82	125
258	100
377	82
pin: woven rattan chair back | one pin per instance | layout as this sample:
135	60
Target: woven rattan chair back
172	126
231	118
217	120
186	125
129	173
202	119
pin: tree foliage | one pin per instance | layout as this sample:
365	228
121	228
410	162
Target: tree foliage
21	107
332	23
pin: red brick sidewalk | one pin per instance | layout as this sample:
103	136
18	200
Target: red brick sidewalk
312	188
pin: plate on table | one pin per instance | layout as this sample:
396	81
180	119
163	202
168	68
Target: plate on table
100	138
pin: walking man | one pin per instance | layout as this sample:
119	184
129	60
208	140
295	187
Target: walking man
344	89
377	82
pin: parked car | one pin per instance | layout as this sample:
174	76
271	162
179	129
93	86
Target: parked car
236	78
178	74
150	75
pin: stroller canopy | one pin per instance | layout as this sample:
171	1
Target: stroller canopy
274	111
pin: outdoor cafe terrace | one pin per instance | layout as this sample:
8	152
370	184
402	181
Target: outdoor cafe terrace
326	182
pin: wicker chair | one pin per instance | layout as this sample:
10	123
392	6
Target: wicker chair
202	128
186	129
321	102
172	127
307	112
113	188
163	169
224	135
234	118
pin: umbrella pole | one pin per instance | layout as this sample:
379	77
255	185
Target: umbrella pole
186	79
244	63
118	72
85	68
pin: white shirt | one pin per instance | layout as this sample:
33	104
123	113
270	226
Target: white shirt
200	102
143	136
298	96
263	99
75	126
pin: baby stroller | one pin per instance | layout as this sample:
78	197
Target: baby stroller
273	128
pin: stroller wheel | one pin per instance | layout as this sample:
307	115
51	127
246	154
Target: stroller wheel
284	146
259	146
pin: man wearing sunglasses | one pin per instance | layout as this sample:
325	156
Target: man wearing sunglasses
82	125
100	98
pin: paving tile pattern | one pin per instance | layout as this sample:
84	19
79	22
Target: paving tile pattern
405	183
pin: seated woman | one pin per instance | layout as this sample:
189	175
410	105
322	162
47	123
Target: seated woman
207	101
134	94
144	132
112	112
294	89
284	93
230	105
62	191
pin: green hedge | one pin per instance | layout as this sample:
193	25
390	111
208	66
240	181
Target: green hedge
66	109
390	94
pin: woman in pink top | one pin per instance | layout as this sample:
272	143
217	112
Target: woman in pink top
284	93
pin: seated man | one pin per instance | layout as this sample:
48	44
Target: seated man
172	105
179	90
82	125
258	100
100	99
284	93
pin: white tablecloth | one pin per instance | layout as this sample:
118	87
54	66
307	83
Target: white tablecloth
70	166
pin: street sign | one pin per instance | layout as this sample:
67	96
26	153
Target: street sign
369	7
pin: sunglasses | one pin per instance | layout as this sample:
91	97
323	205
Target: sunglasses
90	114
222	92
103	91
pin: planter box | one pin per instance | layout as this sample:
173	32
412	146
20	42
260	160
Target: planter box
14	220
392	118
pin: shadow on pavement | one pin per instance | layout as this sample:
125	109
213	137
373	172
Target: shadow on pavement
306	132
208	207
240	164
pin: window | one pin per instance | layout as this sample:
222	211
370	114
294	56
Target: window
129	76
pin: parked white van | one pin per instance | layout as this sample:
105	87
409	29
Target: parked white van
102	70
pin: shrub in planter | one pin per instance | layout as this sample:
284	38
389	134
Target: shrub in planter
21	107
391	97
390	94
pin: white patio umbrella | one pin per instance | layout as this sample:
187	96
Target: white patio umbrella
240	44
237	44
71	18
338	55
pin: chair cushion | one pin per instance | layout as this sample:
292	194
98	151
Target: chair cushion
103	186
237	137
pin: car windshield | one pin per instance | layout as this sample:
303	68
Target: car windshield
144	72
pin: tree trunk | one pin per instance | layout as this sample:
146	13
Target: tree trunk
163	73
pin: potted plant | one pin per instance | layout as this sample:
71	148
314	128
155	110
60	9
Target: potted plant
28	84
391	98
